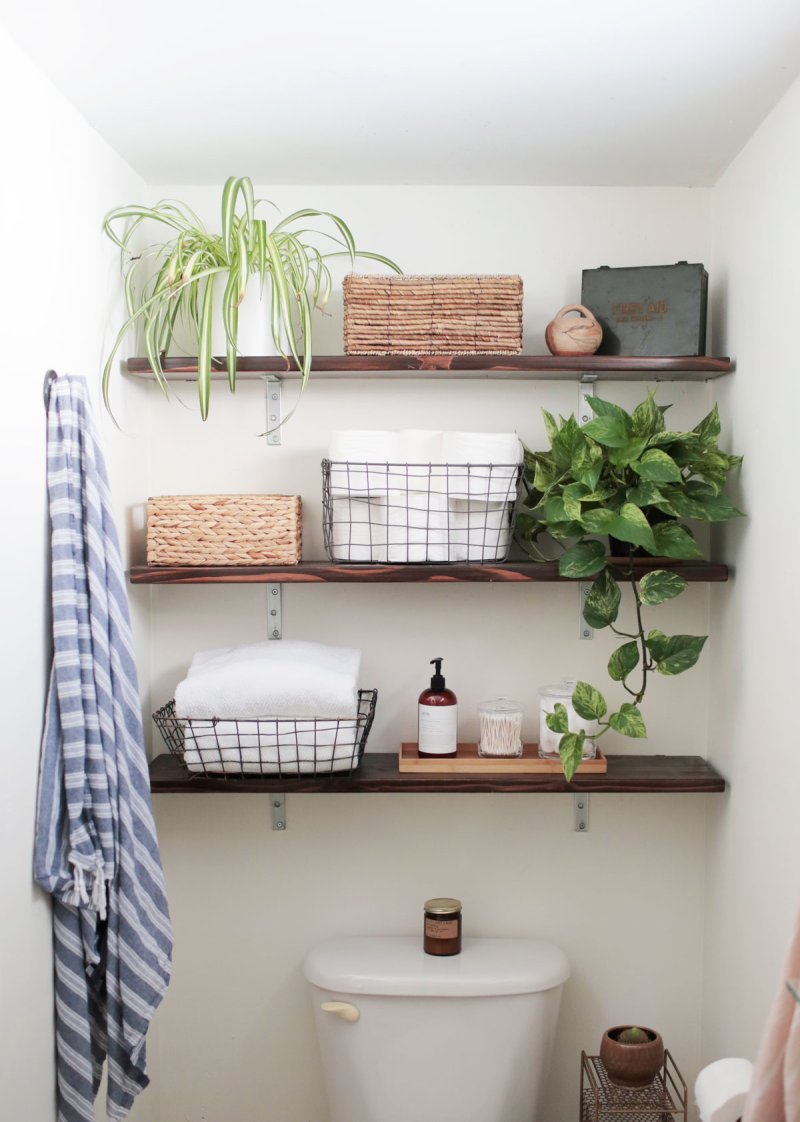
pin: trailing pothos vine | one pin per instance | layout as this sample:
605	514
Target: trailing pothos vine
627	476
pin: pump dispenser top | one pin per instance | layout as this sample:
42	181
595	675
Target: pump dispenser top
437	681
437	717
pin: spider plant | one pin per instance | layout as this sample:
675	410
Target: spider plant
179	279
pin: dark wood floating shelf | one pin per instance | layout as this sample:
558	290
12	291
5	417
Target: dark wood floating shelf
378	772
617	368
327	572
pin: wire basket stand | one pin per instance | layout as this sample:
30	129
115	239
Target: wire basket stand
281	747
664	1100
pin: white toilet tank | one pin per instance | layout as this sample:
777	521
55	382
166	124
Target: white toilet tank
410	1037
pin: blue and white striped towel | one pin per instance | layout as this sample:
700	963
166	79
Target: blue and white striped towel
95	848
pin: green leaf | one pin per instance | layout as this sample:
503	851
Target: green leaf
609	431
551	428
645	494
570	749
660	585
588	702
602	604
568	438
598	520
587	463
571	497
564	529
554	509
656	466
623	660
558	720
606	492
583	560
672	540
628	721
545	472
602	408
709	428
674	653
628	453
671	436
647	419
204	353
631	525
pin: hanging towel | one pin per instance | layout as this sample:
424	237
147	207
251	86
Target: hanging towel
774	1094
95	847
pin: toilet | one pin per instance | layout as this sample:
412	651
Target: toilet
411	1037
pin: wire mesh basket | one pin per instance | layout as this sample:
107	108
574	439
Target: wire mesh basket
276	746
415	513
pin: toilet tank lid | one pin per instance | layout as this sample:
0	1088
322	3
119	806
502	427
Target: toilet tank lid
398	965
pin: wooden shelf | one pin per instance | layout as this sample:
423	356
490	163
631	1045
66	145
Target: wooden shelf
379	772
615	368
327	572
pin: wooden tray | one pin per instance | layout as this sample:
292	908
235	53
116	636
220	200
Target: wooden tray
469	762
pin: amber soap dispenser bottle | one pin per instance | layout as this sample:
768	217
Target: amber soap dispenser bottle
438	717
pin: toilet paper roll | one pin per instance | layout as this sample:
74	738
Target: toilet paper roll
721	1088
358	530
419	449
491	456
416	527
359	459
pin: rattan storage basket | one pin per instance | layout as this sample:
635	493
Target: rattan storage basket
432	315
224	530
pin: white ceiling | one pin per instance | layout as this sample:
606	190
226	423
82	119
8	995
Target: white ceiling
419	91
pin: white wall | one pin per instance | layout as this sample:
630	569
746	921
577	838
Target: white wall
753	877
58	181
235	1035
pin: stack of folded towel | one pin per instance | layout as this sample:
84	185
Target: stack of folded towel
286	706
422	495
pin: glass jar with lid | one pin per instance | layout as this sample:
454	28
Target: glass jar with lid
442	933
549	697
500	723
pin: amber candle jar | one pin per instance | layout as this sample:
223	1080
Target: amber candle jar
442	926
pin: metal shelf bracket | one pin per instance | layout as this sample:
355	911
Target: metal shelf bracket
585	391
278	809
584	630
274	611
274	392
580	806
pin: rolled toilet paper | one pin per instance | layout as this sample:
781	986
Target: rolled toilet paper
359	459
721	1088
419	449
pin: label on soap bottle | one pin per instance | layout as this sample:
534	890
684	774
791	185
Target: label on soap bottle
438	729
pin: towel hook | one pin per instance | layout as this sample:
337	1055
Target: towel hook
49	378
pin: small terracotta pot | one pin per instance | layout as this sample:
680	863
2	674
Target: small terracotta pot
567	334
631	1065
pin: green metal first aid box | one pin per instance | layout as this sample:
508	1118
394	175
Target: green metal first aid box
649	310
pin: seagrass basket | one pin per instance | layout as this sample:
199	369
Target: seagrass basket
432	315
224	530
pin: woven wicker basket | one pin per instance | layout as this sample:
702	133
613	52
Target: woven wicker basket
432	315
224	530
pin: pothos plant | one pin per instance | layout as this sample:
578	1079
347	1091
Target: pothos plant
628	476
183	276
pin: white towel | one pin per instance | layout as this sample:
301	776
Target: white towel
479	531
351	450
485	481
416	527
285	747
289	678
358	529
